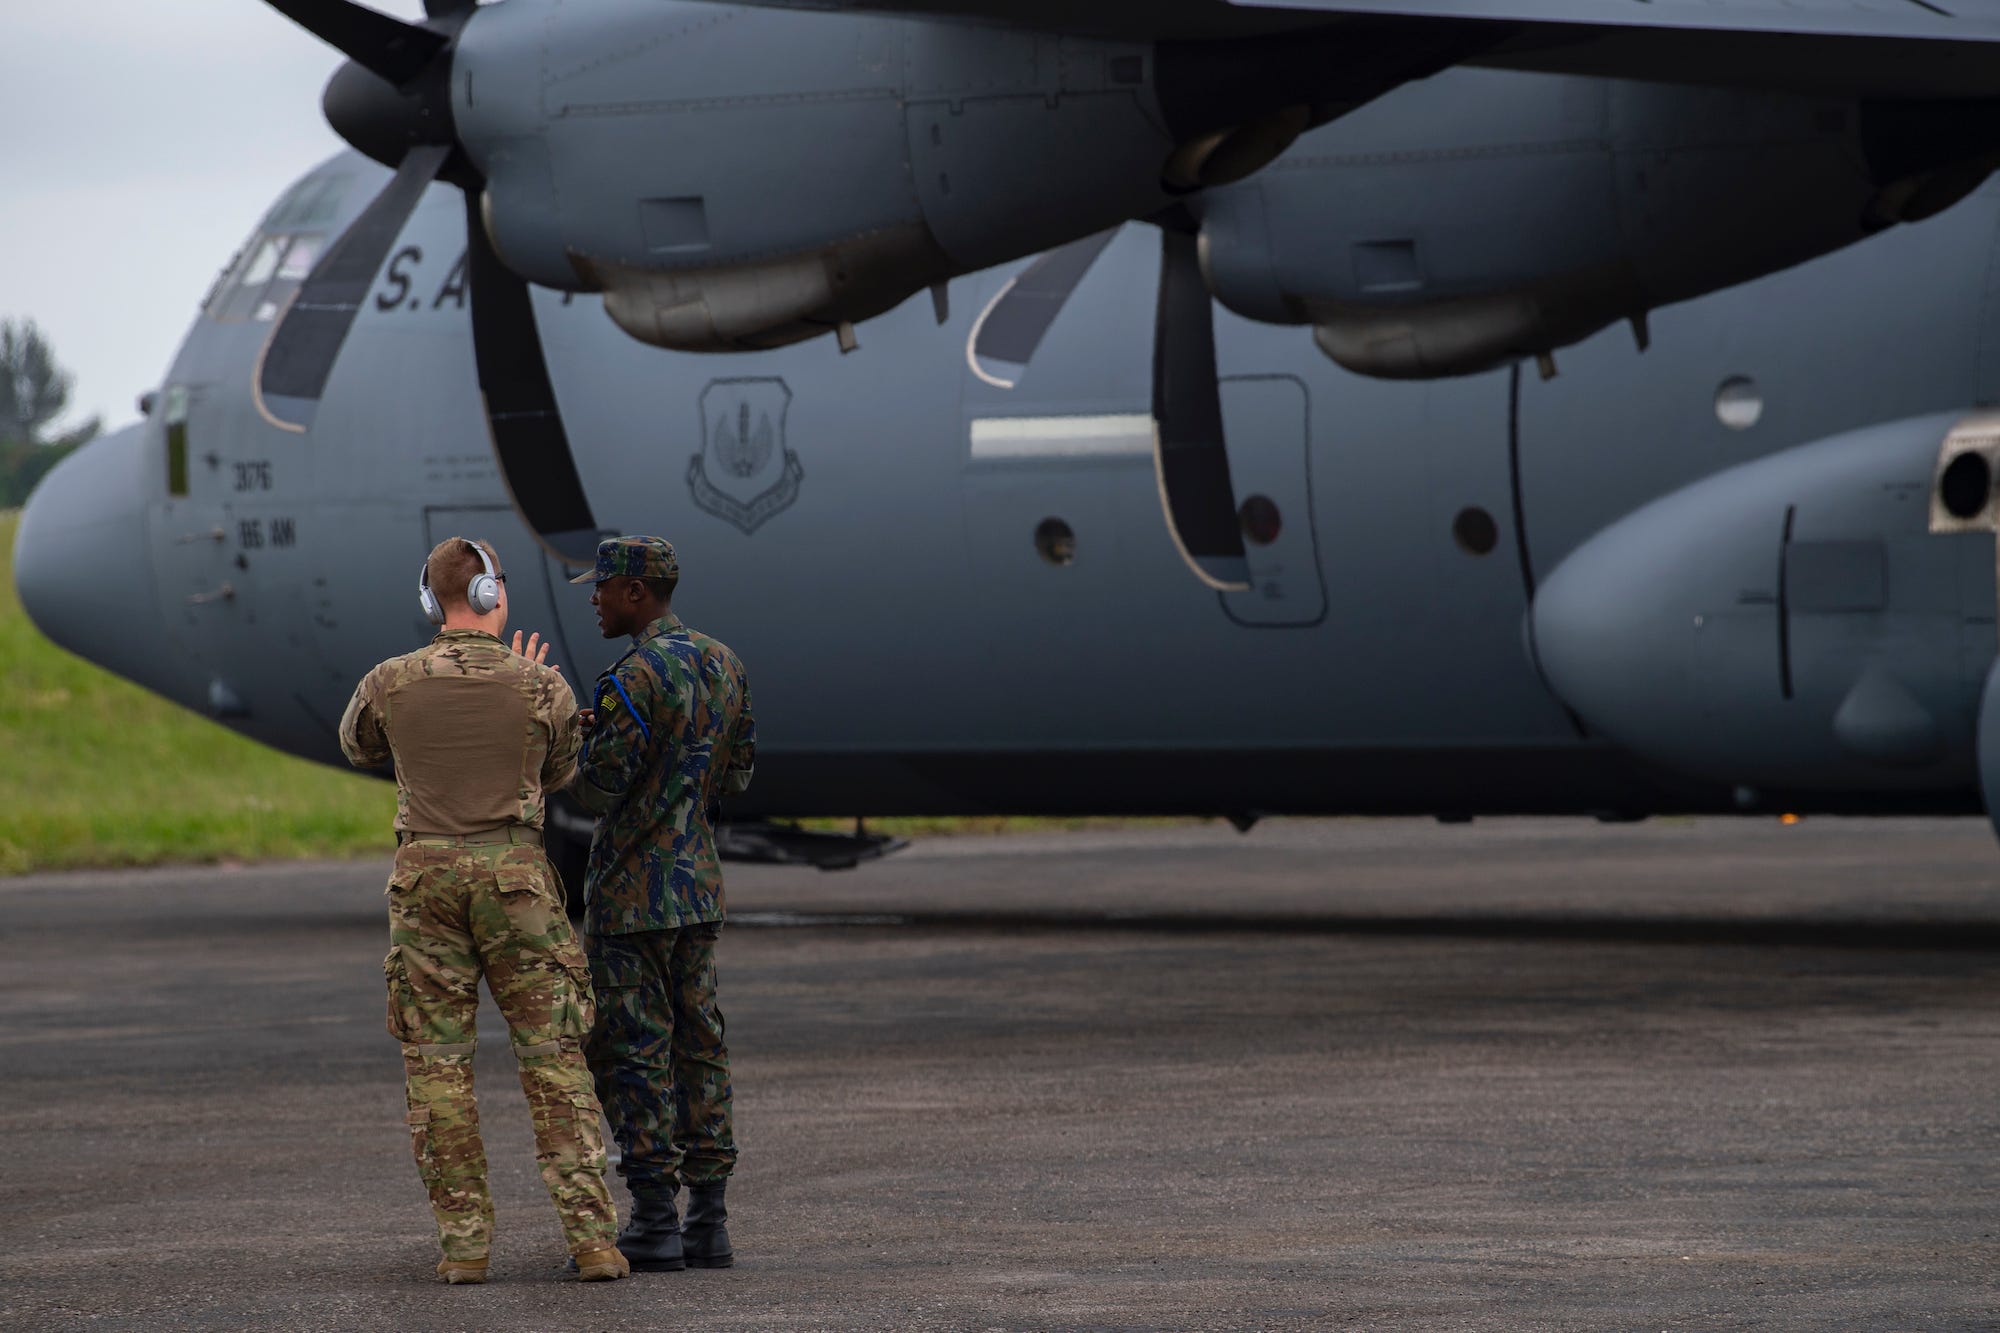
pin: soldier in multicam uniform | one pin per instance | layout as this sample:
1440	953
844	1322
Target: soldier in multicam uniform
670	734
477	734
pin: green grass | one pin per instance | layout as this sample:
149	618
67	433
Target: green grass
94	771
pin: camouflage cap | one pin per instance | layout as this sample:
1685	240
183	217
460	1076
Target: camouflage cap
633	557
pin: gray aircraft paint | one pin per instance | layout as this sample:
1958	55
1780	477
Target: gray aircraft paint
910	649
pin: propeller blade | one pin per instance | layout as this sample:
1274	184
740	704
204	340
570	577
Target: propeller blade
1008	331
396	50
521	410
298	357
444	9
1191	453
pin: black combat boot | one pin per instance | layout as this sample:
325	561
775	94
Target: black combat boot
652	1235
707	1242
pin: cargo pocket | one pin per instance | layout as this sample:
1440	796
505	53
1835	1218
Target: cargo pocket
405	1022
420	1145
617	976
529	896
407	873
614	966
589	1132
575	1016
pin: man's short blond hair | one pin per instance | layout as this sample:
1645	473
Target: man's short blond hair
453	565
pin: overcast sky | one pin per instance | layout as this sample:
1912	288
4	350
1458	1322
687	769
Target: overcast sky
140	141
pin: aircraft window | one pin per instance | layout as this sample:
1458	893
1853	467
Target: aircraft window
213	301
264	263
177	441
1475	531
313	203
244	291
284	248
1739	403
1055	542
1261	520
229	301
265	279
299	259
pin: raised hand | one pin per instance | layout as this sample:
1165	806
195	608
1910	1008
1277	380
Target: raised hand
536	651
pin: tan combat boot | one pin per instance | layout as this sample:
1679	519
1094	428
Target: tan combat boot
605	1265
458	1272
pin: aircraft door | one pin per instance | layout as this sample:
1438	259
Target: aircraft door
1266	421
207	601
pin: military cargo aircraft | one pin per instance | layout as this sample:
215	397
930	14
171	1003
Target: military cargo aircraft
1179	408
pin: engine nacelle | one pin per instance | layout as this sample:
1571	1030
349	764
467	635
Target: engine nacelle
745	177
1528	212
1791	624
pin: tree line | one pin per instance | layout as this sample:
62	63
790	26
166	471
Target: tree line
34	391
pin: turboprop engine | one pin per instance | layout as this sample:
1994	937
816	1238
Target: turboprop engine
722	197
1546	208
741	177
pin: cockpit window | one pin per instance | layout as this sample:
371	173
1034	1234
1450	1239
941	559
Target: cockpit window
269	269
299	258
263	262
311	204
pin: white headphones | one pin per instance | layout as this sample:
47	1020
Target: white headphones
483	595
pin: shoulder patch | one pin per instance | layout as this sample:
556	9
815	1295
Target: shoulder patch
607	701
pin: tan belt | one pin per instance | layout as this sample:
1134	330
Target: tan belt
512	833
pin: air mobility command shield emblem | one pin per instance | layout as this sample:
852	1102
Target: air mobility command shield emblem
744	472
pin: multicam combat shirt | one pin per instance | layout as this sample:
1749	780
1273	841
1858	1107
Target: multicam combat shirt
477	732
673	736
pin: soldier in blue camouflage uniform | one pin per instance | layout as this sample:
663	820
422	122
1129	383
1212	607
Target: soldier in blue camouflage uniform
477	734
670	734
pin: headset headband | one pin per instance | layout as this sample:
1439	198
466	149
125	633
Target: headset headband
482	595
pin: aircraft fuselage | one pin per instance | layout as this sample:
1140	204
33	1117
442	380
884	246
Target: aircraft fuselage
956	596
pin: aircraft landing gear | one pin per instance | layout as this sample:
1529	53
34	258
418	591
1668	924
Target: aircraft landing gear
770	843
762	842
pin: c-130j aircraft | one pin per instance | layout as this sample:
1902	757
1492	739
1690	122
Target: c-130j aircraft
1633	462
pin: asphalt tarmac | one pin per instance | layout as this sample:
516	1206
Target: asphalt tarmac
1379	1074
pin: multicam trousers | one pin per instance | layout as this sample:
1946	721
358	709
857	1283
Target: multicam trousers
658	1055
456	913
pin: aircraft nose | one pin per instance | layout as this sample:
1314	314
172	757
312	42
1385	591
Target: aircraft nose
81	563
